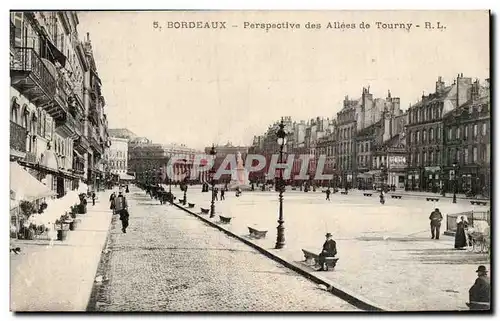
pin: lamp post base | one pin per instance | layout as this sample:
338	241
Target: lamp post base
212	210
280	239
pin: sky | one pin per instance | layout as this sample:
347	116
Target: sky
204	86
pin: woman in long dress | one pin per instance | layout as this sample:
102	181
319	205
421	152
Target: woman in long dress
460	237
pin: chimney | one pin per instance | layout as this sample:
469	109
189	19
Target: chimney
464	86
439	85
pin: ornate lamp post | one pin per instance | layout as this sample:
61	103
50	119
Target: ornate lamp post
454	182
280	238
213	152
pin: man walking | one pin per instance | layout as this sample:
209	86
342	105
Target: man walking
216	194
93	198
328	194
222	192
479	293
436	217
121	207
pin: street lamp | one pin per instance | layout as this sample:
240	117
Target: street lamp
280	238
454	183
213	152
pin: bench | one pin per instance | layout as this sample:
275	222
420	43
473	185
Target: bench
478	203
432	199
225	219
329	260
367	194
204	210
257	233
343	193
191	205
396	196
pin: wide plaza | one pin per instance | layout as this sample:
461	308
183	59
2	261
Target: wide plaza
386	251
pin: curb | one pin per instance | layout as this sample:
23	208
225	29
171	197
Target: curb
96	288
355	300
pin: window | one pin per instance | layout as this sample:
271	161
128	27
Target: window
17	20
424	158
424	136
466	131
457	156
438	133
484	129
466	156
13	112
450	134
458	133
418	158
431	134
475	131
411	159
474	154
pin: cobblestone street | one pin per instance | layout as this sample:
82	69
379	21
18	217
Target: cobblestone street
170	261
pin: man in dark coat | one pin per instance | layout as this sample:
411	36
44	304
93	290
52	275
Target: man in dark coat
328	194
436	217
479	293
222	192
329	250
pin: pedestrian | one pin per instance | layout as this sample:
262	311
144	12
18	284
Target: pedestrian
436	217
112	202
126	189
121	207
460	235
329	250
93	198
328	194
479	293
222	192
216	194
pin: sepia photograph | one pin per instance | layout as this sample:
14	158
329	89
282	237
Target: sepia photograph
250	161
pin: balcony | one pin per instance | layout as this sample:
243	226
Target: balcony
68	126
18	136
82	144
94	142
31	158
30	76
12	35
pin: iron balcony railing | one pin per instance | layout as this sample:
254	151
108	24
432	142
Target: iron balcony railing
18	136
27	60
12	35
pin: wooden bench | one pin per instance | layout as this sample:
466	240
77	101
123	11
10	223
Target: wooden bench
257	233
225	219
204	210
191	205
343	193
479	203
329	260
367	194
432	199
396	196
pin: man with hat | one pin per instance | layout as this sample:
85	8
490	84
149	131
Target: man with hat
436	217
329	250
479	293
121	207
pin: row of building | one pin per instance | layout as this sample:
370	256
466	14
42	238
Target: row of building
58	126
441	140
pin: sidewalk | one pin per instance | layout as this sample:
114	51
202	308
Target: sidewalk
60	278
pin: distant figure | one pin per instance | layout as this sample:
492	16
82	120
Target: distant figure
328	194
216	194
238	192
121	207
382	197
222	192
436	217
460	235
329	250
112	202
126	189
93	198
479	293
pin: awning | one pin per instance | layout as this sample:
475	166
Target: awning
24	186
51	52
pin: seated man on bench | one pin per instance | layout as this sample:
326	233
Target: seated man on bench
329	250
